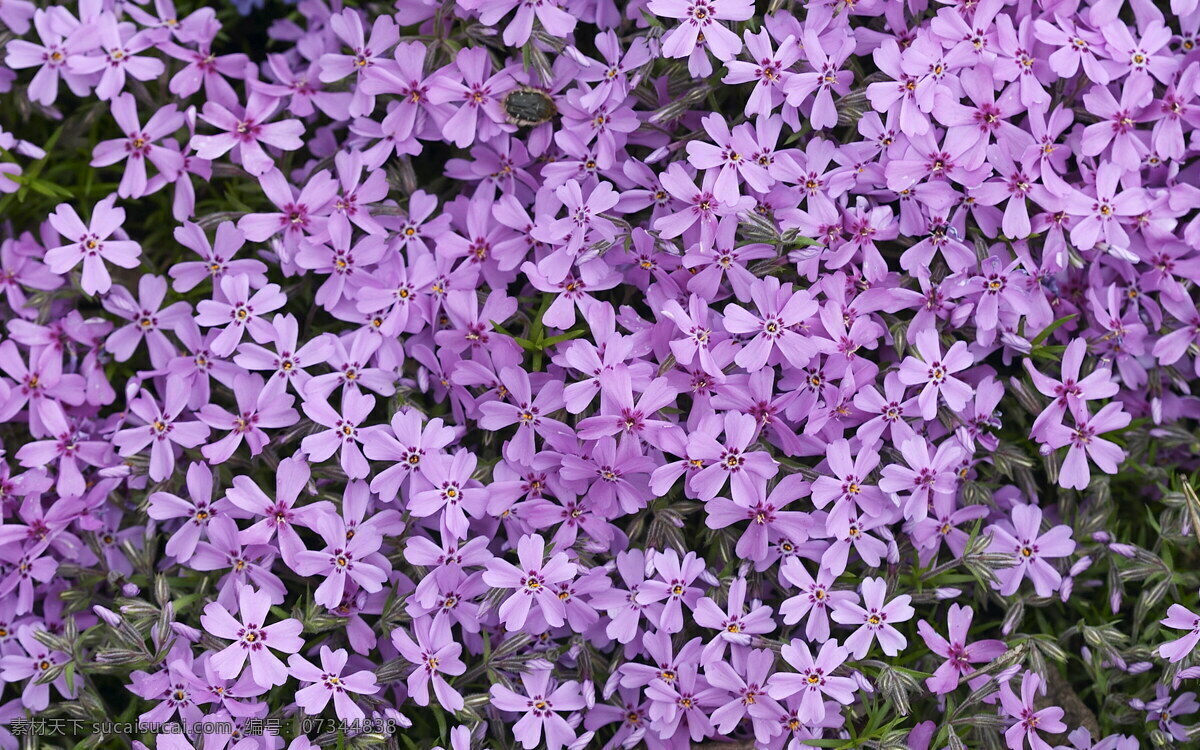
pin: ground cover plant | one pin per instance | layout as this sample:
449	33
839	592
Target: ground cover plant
595	374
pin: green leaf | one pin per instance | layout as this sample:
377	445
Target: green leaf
1052	328
555	340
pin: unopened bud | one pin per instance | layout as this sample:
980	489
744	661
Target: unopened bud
110	618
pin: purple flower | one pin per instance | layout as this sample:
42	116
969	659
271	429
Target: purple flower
1031	550
528	412
1029	720
701	206
934	373
68	447
246	132
162	429
252	638
678	707
672	584
406	443
780	312
258	407
556	21
733	625
743	469
216	260
282	514
299	217
50	57
540	705
138	147
90	244
748	697
629	418
478	91
1180	618
1071	391
289	360
368	53
29	663
875	619
815	600
924	478
958	654
342	431
813	679
349	556
197	511
239	311
148	320
244	563
117	46
766	520
453	493
700	17
329	681
1085	443
532	583
435	653
1165	711
1101	215
826	78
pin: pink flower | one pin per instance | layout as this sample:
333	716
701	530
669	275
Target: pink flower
282	514
367	54
453	493
30	665
349	556
924	478
258	407
780	312
197	511
216	260
69	447
50	58
745	470
1071	391
341	433
556	21
814	601
148	320
672	584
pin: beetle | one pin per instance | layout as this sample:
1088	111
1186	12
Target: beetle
527	107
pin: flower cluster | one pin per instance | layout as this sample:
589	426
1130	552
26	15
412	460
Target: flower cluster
572	373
